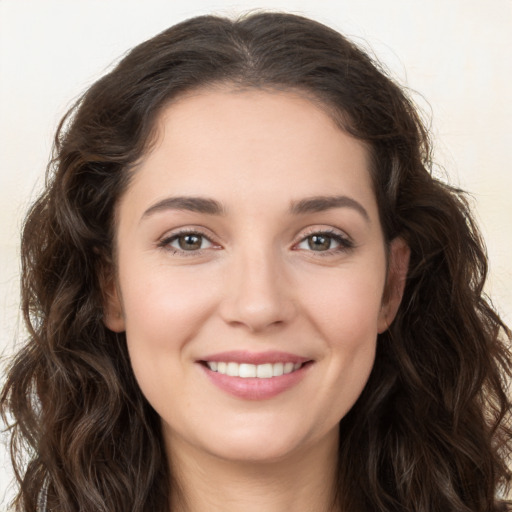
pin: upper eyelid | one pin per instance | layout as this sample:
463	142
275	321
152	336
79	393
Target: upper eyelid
299	237
326	230
175	233
344	243
165	242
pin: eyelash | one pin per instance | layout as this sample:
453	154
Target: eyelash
166	242
344	242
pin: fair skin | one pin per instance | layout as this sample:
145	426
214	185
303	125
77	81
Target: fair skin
250	235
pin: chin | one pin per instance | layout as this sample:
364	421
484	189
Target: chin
256	450
265	443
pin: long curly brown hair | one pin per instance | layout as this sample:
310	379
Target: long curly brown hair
431	430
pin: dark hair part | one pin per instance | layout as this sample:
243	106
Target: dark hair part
431	429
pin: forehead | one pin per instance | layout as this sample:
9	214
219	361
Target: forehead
250	144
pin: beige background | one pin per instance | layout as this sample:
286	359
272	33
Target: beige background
456	53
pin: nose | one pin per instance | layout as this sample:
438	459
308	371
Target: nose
258	295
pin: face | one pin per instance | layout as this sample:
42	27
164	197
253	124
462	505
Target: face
251	274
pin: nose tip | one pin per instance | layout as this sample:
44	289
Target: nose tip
258	298
257	315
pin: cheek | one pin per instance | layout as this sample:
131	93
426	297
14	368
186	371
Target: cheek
345	312
163	311
345	305
160	297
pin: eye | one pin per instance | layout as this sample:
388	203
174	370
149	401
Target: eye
325	242
186	242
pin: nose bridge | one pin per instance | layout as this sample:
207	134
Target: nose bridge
257	295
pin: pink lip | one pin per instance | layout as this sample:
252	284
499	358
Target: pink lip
242	356
254	388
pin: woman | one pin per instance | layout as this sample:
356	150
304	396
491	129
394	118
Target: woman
245	291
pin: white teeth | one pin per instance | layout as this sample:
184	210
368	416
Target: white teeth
278	369
232	369
246	370
264	371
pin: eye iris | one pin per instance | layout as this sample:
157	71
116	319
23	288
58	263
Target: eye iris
319	242
190	242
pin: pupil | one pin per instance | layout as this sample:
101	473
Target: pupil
190	242
319	243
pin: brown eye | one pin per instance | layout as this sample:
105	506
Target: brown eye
186	242
319	242
325	242
190	242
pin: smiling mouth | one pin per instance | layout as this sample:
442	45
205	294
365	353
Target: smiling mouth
247	370
255	376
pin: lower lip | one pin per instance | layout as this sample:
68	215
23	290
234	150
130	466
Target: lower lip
254	388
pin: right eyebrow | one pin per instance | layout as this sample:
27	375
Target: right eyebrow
191	204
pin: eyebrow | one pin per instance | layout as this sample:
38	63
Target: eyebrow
191	204
323	203
212	207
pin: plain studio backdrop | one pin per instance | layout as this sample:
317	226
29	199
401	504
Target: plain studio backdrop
454	55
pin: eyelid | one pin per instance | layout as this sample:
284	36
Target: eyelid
318	229
345	241
170	236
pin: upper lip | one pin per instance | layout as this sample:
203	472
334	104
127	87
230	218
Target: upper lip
243	356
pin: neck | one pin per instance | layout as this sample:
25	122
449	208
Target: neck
300	482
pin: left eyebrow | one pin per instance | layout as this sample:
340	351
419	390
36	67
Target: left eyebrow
322	203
